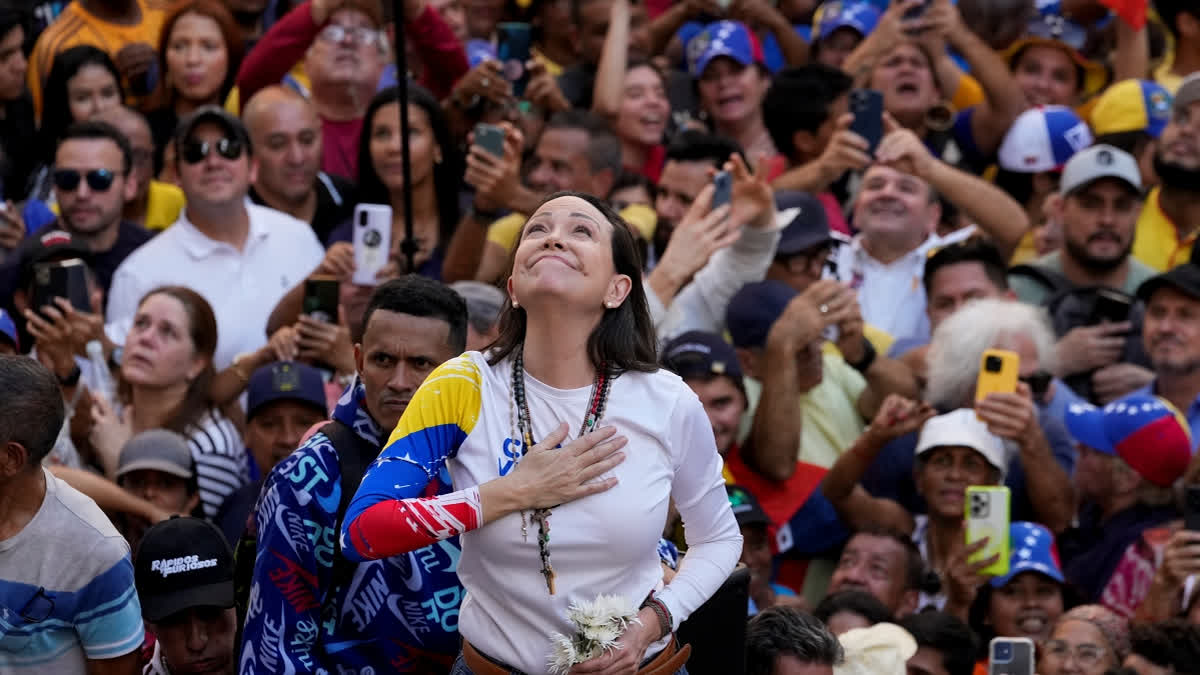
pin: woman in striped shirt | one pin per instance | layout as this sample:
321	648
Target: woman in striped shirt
164	383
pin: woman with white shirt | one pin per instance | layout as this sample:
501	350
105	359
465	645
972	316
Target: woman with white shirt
542	526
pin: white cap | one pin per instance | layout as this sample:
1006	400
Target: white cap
962	428
1096	162
882	649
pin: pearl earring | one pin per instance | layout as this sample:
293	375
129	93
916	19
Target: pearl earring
515	304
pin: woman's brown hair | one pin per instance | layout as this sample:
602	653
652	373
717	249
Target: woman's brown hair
202	329
212	9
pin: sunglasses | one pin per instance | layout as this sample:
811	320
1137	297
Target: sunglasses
68	180
194	152
1039	383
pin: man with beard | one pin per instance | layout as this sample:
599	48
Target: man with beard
1167	227
1171	334
1100	199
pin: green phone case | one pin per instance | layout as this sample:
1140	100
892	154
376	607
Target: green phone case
987	515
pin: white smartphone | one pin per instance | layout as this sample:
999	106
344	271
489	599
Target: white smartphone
372	241
1010	656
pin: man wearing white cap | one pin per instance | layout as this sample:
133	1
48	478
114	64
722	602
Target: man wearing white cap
1099	199
1166	230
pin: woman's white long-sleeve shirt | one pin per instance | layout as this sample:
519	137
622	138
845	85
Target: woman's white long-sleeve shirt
463	416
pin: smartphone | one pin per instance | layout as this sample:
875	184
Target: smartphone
491	138
514	40
1191	508
372	241
321	298
722	189
867	106
1010	656
987	516
63	279
1111	306
997	373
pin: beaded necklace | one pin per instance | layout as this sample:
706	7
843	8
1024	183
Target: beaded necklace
596	403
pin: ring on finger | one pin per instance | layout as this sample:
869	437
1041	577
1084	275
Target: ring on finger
484	82
824	309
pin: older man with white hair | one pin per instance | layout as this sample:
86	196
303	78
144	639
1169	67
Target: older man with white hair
1040	473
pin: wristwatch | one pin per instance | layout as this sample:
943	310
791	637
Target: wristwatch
867	359
72	378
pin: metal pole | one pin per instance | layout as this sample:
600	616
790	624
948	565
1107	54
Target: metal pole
408	247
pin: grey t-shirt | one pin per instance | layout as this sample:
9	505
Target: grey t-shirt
1030	291
66	588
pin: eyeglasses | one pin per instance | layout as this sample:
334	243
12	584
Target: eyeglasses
194	152
1058	28
39	608
68	180
1039	383
1086	655
357	35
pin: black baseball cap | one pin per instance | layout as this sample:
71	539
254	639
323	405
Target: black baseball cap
1184	278
746	509
183	563
47	246
233	126
700	354
805	226
285	381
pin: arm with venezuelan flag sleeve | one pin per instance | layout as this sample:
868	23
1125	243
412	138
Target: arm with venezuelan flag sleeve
386	516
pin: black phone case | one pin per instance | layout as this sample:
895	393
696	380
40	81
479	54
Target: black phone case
1191	508
61	280
513	43
321	299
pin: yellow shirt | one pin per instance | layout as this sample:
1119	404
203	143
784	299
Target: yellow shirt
165	201
77	26
1157	242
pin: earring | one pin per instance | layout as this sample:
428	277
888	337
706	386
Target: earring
515	304
610	304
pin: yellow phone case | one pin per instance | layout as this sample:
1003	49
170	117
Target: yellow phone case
987	515
998	370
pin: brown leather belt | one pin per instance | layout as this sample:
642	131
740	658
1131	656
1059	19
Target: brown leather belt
669	660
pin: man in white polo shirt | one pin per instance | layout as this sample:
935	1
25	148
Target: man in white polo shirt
240	256
897	214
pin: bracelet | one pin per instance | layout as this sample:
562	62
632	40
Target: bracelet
72	377
664	615
869	354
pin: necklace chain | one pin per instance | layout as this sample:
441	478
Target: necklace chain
596	404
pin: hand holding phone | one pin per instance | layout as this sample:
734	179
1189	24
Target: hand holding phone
998	370
63	279
514	40
491	138
321	298
372	242
722	189
867	107
987	516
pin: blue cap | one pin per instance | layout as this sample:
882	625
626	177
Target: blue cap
807	225
700	354
9	328
830	16
754	309
1032	550
722	38
285	381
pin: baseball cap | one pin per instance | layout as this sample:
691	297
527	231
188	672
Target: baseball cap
1100	161
1141	429
157	450
1188	91
722	38
1185	278
285	380
881	649
8	328
753	310
1032	550
212	113
183	563
963	428
1050	28
1043	139
52	244
700	354
830	16
746	509
807	225
1132	105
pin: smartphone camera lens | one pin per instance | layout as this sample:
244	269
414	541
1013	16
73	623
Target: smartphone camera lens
993	364
362	218
1002	652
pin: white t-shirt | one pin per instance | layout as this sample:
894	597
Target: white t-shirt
243	286
606	543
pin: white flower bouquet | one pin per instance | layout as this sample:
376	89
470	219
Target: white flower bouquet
598	626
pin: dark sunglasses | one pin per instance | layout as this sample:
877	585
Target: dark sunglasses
1039	383
194	152
68	180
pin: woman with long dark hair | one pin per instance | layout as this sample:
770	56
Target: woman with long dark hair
165	382
83	82
437	170
199	51
545	528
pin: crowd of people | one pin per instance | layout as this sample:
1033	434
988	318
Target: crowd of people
676	340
